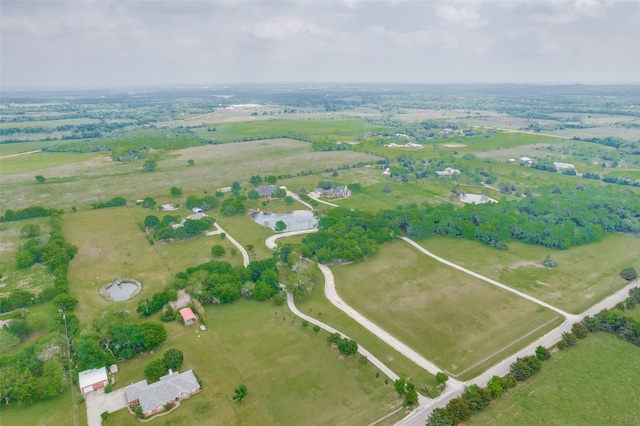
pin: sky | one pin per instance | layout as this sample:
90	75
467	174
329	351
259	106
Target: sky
122	43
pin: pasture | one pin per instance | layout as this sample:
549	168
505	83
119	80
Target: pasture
84	182
594	382
34	278
584	276
451	318
291	373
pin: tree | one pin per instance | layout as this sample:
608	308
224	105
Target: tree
439	417
334	338
496	386
458	410
400	386
543	353
279	193
66	302
235	186
441	377
148	203
30	230
411	395
19	328
240	393
569	338
288	200
325	184
173	358
629	274
387	189
217	251
155	369
40	179
253	194
175	191
580	330
153	333
151	221
348	347
477	398
280	226
190	162
149	166
255	180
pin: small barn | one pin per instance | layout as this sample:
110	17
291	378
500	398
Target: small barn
91	380
187	316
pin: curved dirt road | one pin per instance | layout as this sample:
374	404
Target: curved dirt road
271	241
219	230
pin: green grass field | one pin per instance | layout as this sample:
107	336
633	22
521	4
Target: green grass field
34	278
451	318
80	183
593	383
584	275
291	373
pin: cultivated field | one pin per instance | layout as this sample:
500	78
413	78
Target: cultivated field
584	274
593	383
449	317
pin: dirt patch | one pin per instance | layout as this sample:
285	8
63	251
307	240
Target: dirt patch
588	296
6	247
454	145
522	263
542	283
183	300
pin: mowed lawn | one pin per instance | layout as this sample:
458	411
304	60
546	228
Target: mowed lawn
584	276
593	383
449	317
292	375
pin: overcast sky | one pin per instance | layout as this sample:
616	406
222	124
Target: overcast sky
131	43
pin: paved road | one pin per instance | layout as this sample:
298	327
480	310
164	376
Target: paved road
490	281
332	295
219	230
375	361
420	415
300	200
315	196
271	241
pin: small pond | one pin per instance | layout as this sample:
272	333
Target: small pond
296	220
121	290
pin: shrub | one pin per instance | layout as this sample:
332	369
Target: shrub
316	328
441	377
569	339
155	369
580	330
629	274
543	353
217	251
549	262
108	388
334	338
305	323
104	414
347	347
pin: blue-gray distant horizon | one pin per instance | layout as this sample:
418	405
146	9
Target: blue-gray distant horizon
114	43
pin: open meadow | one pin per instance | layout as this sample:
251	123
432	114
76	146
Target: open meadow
97	177
451	318
584	276
291	373
601	368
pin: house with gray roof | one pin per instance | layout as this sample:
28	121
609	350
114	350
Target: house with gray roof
341	191
266	191
153	397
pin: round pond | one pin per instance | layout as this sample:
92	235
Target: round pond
123	289
296	220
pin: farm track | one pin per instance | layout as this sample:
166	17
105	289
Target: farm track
20	153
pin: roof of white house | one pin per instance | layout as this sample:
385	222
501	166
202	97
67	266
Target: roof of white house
166	390
563	165
90	377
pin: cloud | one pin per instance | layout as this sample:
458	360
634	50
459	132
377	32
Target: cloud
283	28
465	16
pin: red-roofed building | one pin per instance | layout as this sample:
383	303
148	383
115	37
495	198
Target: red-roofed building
187	316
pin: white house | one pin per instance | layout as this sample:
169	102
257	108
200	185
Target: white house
448	172
90	380
171	388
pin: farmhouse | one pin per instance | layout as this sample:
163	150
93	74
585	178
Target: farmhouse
187	316
266	191
339	192
153	397
90	380
527	160
448	172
